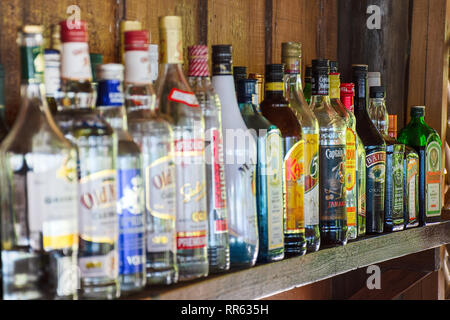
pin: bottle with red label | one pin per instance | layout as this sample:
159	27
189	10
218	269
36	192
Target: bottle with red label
179	104
216	192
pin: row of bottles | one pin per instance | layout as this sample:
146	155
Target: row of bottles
175	180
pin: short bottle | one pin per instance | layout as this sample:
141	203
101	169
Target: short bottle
130	202
216	192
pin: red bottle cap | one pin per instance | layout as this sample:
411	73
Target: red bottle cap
74	31
347	94
136	40
198	61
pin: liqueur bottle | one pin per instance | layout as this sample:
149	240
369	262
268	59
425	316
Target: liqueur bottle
240	164
39	192
410	179
3	126
291	53
97	145
276	109
332	194
154	135
375	148
269	175
350	156
425	140
307	89
347	98
177	102
216	193
130	204
378	111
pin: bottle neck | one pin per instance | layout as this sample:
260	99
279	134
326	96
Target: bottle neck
417	119
293	83
320	84
137	67
335	86
110	103
347	101
247	107
360	102
115	116
223	69
274	89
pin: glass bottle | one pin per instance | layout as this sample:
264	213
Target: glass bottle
375	148
216	192
276	109
52	75
347	98
130	204
239	72
332	199
39	192
425	140
350	156
240	164
259	87
97	145
378	111
291	58
154	135
307	89
177	102
269	175
4	129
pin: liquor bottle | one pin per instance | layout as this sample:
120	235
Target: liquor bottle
130	204
307	89
374	79
177	102
410	179
425	140
39	192
277	110
52	75
239	72
127	25
269	175
332	194
240	164
291	53
97	145
3	126
378	111
153	54
347	98
153	133
259	87
216	192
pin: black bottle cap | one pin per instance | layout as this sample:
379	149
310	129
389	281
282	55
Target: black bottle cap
334	67
222	53
274	72
246	89
321	66
308	72
418	111
377	92
240	72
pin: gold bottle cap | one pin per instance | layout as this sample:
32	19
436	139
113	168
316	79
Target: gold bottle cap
170	23
32	29
291	49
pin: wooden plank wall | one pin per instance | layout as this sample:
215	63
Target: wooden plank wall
255	28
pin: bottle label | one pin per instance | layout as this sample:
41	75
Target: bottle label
191	194
397	172
275	199
33	64
131	221
350	177
110	93
275	86
52	208
138	68
75	61
295	188
332	183
412	187
160	202
311	173
433	179
320	85
375	182
184	97
52	74
171	49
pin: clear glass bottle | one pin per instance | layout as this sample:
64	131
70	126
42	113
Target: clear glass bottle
130	202
269	175
97	145
153	133
39	192
333	215
240	164
200	81
378	111
291	56
177	101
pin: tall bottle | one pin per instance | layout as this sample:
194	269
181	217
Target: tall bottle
347	98
350	156
4	129
130	202
153	133
332	201
269	175
177	102
291	57
97	145
425	140
240	164
377	109
375	154
277	110
216	193
39	192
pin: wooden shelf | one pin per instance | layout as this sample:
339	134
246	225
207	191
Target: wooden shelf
269	279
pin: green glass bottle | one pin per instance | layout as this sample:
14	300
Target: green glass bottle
425	140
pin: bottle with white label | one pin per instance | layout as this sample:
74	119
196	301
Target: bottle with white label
179	104
97	145
153	133
130	202
39	192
